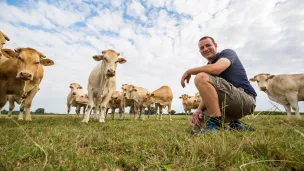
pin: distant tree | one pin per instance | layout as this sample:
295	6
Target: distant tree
173	112
4	112
40	111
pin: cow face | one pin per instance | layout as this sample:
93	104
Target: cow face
148	99
185	98
116	97
110	60
3	39
75	87
126	90
28	60
262	80
82	99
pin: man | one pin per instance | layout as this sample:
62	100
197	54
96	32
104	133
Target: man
224	88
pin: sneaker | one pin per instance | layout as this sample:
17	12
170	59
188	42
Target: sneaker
210	127
240	126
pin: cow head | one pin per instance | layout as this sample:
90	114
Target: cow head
185	98
3	39
116	96
110	60
28	60
148	99
82	99
262	80
126	90
75	87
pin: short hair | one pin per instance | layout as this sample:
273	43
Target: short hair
206	37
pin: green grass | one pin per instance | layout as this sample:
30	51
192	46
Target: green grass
64	143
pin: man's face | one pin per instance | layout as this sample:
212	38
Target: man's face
207	48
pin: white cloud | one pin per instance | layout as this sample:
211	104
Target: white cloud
267	37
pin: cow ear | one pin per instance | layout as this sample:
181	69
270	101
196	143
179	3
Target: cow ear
152	94
252	79
79	87
98	57
134	89
118	54
180	97
121	60
270	76
148	94
18	50
9	53
46	62
5	36
42	55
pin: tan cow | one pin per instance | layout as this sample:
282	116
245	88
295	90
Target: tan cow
102	83
126	101
3	39
285	89
21	76
114	103
77	98
137	94
189	102
161	97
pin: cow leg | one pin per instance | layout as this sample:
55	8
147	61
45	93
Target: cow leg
78	109
107	111
103	106
169	111
293	100
160	112
28	103
11	106
141	112
3	97
288	110
69	108
113	112
120	113
90	107
156	111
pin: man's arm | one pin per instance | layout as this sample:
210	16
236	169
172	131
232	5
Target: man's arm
212	69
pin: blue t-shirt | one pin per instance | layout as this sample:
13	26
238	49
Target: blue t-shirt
235	73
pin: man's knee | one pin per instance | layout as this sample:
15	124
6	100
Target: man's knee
201	78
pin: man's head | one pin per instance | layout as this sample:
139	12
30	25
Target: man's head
207	47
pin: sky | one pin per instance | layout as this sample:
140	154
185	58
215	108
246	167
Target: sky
158	38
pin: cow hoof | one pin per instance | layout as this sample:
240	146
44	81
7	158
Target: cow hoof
28	119
299	117
84	121
20	119
102	121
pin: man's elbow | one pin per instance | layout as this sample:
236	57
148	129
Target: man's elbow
216	72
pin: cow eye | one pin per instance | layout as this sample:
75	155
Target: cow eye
37	63
19	57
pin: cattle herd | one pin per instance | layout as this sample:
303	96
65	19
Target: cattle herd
21	72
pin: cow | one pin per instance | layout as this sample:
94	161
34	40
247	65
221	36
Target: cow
126	101
190	102
161	97
102	83
136	94
285	89
77	98
114	103
3	39
21	76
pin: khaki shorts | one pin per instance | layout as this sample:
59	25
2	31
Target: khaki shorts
234	102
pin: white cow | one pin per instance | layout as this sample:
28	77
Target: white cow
190	102
285	89
102	83
77	98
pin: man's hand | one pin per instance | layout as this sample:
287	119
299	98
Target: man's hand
197	119
187	77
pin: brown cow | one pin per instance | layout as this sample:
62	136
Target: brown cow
114	103
126	101
285	89
161	97
102	83
20	76
3	39
77	98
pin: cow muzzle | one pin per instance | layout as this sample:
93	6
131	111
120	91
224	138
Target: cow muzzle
25	75
110	72
263	88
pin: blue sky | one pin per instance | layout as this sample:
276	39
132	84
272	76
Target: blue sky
158	38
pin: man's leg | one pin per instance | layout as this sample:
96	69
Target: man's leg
210	97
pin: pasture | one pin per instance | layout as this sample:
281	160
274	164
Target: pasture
62	142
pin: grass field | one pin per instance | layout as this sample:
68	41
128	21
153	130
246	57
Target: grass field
62	142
